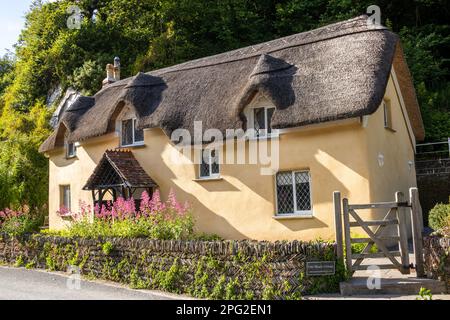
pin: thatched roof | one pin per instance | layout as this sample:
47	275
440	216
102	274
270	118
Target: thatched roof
335	72
119	168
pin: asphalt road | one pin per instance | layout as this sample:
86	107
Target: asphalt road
23	284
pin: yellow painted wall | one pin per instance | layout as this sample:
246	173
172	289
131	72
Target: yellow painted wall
242	204
397	147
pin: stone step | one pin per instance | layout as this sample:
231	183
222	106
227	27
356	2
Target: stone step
394	286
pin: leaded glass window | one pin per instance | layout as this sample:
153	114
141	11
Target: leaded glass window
138	133
65	197
209	165
127	132
293	192
262	118
130	134
71	150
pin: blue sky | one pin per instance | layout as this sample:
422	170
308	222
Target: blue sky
11	22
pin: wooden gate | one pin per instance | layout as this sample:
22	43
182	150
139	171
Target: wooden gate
396	215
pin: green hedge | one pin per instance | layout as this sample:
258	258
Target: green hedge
439	216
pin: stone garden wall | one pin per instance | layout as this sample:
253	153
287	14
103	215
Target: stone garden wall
437	258
217	270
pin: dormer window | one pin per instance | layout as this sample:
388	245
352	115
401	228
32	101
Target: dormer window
130	135
262	118
71	150
259	118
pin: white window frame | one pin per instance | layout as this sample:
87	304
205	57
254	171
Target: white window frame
211	174
133	124
63	195
301	213
251	120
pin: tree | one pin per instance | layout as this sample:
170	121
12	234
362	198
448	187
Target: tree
149	34
6	67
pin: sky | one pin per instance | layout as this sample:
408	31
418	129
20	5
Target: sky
12	19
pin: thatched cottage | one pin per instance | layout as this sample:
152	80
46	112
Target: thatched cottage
339	101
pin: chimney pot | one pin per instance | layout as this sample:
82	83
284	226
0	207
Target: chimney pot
116	62
117	68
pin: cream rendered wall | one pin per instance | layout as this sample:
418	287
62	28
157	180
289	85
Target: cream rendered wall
397	147
242	204
74	172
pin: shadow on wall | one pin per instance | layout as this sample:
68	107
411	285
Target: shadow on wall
61	161
327	175
244	180
218	186
164	173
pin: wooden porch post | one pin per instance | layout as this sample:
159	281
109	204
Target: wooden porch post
100	197
114	192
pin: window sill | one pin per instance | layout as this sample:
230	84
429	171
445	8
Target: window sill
67	216
208	179
270	137
133	146
390	129
293	216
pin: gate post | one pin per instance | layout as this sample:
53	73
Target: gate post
417	222
348	245
338	225
402	233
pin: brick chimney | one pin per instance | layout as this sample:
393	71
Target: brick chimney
112	72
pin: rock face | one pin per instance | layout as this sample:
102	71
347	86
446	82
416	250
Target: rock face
54	95
246	269
67	100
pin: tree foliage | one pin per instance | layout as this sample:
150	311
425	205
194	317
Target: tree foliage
149	34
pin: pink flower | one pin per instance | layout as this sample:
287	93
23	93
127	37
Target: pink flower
64	212
175	205
144	208
156	204
150	207
85	209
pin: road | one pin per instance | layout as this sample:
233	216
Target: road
23	284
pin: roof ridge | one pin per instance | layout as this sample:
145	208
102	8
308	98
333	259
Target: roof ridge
116	168
320	34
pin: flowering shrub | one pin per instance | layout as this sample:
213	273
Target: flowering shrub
85	211
154	219
24	220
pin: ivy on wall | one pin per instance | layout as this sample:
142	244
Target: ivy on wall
212	270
